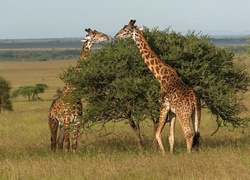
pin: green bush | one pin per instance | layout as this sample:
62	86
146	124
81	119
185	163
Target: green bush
5	102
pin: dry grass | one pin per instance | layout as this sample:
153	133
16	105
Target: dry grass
25	142
30	73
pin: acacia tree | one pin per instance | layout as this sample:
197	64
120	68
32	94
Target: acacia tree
116	84
5	102
30	91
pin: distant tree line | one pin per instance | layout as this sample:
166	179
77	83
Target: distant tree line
229	40
237	45
12	55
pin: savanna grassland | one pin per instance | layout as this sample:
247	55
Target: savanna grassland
25	141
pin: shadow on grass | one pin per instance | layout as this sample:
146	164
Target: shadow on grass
128	144
225	141
124	145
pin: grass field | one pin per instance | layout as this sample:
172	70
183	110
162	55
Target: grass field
25	142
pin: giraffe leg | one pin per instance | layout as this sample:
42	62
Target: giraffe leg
66	137
75	136
154	143
172	119
162	120
61	139
155	123
187	133
53	124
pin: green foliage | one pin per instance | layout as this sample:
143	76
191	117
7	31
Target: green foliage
116	83
5	102
30	91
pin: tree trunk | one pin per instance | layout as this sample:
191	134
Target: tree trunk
136	129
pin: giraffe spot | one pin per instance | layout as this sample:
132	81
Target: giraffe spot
153	70
157	69
159	78
162	71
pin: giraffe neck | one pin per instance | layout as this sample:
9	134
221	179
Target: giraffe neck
162	71
84	53
65	90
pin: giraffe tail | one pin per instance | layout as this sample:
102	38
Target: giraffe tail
196	123
196	140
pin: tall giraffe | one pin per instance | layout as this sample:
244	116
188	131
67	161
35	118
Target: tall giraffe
67	109
178	99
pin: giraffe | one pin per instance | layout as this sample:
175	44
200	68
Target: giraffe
67	109
177	98
92	38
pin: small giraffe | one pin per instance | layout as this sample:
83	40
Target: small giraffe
67	109
178	99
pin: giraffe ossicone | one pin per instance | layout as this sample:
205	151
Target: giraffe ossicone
178	99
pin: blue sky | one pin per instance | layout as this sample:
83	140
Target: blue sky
22	19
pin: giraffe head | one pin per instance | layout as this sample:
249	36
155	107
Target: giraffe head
94	36
91	38
86	44
128	31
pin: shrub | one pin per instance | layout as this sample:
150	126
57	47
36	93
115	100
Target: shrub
5	102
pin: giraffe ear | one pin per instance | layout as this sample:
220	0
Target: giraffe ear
83	40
